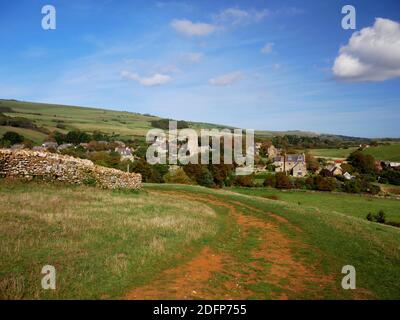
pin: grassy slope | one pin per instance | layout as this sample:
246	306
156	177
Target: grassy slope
127	124
333	153
371	248
353	205
389	153
103	243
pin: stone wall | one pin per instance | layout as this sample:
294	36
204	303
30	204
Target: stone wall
28	165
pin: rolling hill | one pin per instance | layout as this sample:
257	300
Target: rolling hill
126	124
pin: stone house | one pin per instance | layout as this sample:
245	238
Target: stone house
125	153
335	169
294	164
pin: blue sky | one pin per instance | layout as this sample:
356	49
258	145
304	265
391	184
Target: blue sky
273	65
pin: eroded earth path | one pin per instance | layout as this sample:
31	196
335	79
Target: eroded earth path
257	260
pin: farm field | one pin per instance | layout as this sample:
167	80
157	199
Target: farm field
356	205
332	153
388	153
382	152
122	123
187	242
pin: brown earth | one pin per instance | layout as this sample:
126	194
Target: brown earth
273	263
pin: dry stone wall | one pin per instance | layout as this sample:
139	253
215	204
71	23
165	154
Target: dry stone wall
28	165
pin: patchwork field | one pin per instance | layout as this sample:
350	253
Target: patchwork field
171	241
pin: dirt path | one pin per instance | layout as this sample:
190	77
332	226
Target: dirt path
272	264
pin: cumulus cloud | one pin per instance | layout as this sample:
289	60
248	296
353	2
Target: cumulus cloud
372	54
237	16
267	48
226	79
153	80
189	28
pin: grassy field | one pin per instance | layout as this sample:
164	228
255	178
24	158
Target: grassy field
355	205
388	153
383	152
188	242
332	153
100	242
125	124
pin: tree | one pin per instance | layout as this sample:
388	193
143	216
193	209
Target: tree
141	166
177	176
205	179
362	163
325	173
13	137
282	181
324	184
312	163
77	137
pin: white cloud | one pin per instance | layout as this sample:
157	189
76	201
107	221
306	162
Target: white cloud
267	48
372	54
226	79
154	80
189	28
237	16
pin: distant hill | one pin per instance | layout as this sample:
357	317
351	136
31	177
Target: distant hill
50	117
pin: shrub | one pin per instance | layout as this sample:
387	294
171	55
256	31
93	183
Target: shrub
244	181
269	181
325	184
205	179
380	217
393	224
77	137
13	137
177	176
282	181
300	183
164	124
309	183
325	173
351	186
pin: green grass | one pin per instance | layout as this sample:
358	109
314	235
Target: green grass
101	242
332	153
104	243
35	136
383	152
349	204
340	239
126	124
387	153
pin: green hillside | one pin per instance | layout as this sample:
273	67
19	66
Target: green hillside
385	152
205	244
65	118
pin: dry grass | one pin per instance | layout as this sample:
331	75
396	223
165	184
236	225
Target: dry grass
99	241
